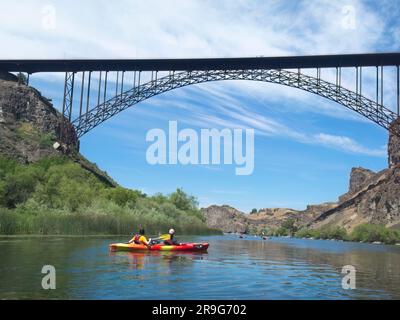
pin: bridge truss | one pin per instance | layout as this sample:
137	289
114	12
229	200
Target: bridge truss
355	101
152	77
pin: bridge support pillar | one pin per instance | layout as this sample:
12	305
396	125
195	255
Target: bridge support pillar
67	107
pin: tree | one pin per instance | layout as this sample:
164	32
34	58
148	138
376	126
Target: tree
18	186
289	225
183	201
122	196
254	210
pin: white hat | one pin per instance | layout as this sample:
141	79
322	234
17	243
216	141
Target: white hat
171	231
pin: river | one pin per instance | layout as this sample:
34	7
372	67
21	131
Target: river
233	268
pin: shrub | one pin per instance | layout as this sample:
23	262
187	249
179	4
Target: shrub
27	131
373	232
281	232
46	140
57	196
287	228
18	186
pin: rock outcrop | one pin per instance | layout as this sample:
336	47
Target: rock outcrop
225	218
231	220
376	202
29	124
358	178
394	144
271	218
372	198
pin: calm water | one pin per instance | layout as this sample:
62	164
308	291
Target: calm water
250	268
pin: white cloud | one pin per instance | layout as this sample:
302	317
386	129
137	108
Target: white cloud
198	28
192	28
346	144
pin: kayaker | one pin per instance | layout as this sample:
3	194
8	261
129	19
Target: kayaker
171	241
140	238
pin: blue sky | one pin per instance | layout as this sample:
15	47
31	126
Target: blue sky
305	146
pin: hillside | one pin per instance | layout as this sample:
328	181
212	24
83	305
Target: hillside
29	126
231	220
372	198
44	190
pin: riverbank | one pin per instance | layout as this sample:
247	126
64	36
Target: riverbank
14	222
365	233
57	196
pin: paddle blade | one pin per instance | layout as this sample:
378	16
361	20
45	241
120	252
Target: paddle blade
164	237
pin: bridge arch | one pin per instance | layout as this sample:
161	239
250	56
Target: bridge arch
352	100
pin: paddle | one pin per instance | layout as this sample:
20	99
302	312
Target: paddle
162	237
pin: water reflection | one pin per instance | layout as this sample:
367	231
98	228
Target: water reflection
304	261
139	260
248	268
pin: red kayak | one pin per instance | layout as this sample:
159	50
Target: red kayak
159	247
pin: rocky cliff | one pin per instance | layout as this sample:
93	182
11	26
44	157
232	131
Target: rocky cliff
372	198
231	220
376	201
394	144
30	125
225	218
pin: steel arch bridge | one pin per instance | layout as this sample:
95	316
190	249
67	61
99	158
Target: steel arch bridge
184	72
335	92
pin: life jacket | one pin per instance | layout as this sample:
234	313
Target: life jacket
170	241
136	238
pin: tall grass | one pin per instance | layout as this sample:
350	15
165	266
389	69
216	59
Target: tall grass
97	219
57	196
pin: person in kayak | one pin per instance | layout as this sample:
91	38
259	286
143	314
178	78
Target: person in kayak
141	229
170	240
140	238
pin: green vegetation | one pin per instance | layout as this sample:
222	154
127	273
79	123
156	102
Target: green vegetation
373	232
47	139
337	233
362	233
287	228
253	211
58	196
26	131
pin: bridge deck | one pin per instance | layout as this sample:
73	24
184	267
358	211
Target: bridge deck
294	62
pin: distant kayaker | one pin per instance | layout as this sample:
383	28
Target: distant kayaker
170	240
140	238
